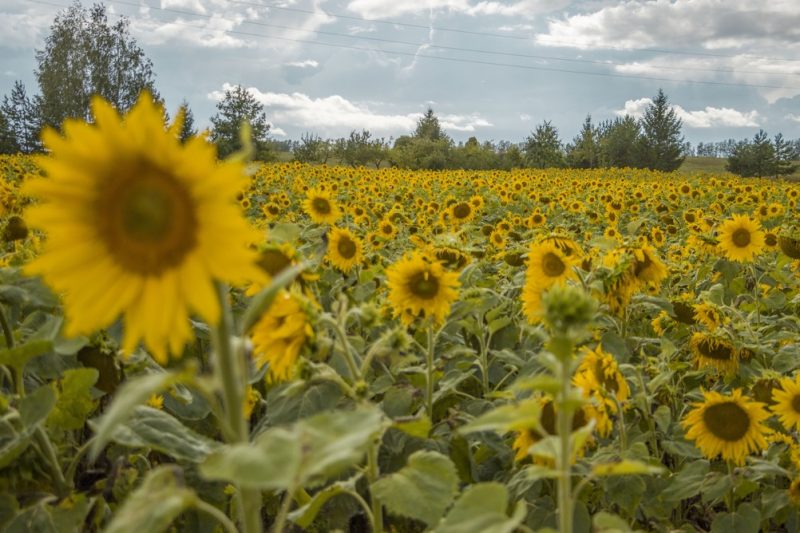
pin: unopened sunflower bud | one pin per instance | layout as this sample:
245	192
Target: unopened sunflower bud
15	230
568	308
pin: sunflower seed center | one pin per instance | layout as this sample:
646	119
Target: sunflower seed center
727	421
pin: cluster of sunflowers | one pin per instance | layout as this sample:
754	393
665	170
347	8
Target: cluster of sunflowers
694	352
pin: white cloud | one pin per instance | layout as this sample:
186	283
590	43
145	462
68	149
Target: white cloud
307	63
525	117
710	117
393	8
335	115
710	24
26	29
794	117
276	131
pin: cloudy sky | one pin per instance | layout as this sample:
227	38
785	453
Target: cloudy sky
489	68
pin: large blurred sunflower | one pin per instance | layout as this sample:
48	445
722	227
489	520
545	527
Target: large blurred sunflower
730	426
344	249
741	238
421	287
138	225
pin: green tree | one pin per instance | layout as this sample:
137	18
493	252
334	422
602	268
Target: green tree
187	126
237	107
660	146
428	148
785	156
312	149
8	143
543	148
20	114
617	142
584	152
428	127
756	158
84	56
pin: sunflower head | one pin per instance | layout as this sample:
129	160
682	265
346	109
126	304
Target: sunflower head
320	207
139	224
421	287
344	249
728	426
786	398
280	334
714	351
741	238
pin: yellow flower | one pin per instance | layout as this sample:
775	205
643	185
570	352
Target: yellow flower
156	401
547	266
647	267
279	336
421	287
344	249
728	426
250	401
714	351
599	373
708	314
741	238
138	225
321	207
787	402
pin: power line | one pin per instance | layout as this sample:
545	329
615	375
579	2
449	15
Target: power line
483	33
455	48
460	60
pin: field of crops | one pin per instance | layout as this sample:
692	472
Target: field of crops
231	347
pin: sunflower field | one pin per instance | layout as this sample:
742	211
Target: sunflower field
201	345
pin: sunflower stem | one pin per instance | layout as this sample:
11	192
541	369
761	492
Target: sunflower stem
731	496
562	348
373	472
429	374
230	371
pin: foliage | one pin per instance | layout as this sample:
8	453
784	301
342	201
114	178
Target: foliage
85	56
187	122
618	142
584	152
8	141
23	123
543	148
239	106
756	158
660	147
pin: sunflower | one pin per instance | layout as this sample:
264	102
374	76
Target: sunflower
387	229
461	212
647	267
714	351
599	373
321	207
787	402
279	335
548	264
527	437
344	249
730	426
138	225
708	314
740	238
421	287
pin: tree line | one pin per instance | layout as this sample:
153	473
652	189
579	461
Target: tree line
85	55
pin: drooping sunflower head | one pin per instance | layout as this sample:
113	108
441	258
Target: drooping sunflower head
280	334
787	402
741	238
139	224
320	207
344	249
647	267
714	351
728	426
451	258
420	287
709	315
599	373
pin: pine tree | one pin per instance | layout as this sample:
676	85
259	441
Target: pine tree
84	56
785	156
543	148
237	107
187	126
661	144
428	127
8	143
584	151
21	115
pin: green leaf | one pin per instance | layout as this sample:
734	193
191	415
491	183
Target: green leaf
422	489
305	515
604	522
416	427
541	382
66	517
317	448
33	409
75	402
746	519
131	394
160	431
482	507
261	301
625	467
18	356
506	418
687	482
154	505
